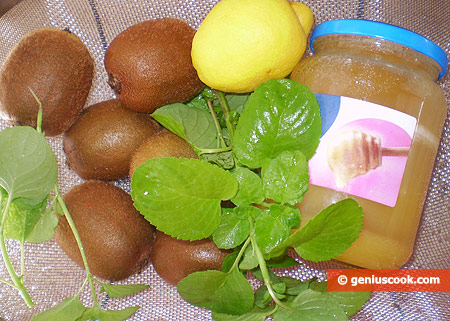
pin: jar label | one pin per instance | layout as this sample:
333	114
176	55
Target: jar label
363	149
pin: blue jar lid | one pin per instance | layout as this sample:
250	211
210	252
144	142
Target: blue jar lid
384	31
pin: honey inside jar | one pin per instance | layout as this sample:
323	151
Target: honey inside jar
385	72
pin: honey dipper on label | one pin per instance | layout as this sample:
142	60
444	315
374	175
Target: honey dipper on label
353	153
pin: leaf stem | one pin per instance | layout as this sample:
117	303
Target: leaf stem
39	115
8	283
18	283
82	287
241	253
89	276
215	150
220	140
22	259
226	113
264	269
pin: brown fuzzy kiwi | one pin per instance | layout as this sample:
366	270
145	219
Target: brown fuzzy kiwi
101	142
163	144
58	68
149	64
174	259
116	238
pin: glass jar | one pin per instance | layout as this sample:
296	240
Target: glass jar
383	115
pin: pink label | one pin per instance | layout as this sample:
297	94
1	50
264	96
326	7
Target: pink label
363	150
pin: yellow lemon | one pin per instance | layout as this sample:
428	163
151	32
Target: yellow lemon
243	43
304	15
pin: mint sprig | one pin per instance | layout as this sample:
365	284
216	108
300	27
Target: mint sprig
265	176
29	196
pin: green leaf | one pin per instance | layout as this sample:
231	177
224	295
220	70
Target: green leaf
280	115
310	305
229	260
234	227
173	194
201	100
69	309
274	225
249	260
351	302
28	166
285	178
236	102
262	297
280	287
222	159
122	290
255	314
29	223
273	277
282	262
228	293
330	232
96	313
250	187
327	235
192	124
295	287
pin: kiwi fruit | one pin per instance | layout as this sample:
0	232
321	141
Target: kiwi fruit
149	64
57	67
102	141
163	144
116	238
174	259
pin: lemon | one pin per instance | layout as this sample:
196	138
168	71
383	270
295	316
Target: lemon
304	15
243	43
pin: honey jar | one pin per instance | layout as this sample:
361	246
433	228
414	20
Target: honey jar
382	118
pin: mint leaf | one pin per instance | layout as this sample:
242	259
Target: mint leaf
194	125
249	260
29	223
222	159
96	313
69	309
350	302
310	305
201	100
229	260
274	225
250	187
28	166
295	287
236	102
122	290
228	293
234	227
331	232
255	314
280	115
327	235
285	178
273	277
175	193
262	297
282	262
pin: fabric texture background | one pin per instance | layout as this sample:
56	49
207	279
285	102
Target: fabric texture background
52	276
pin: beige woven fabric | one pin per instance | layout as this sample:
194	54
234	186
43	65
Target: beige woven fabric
51	276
